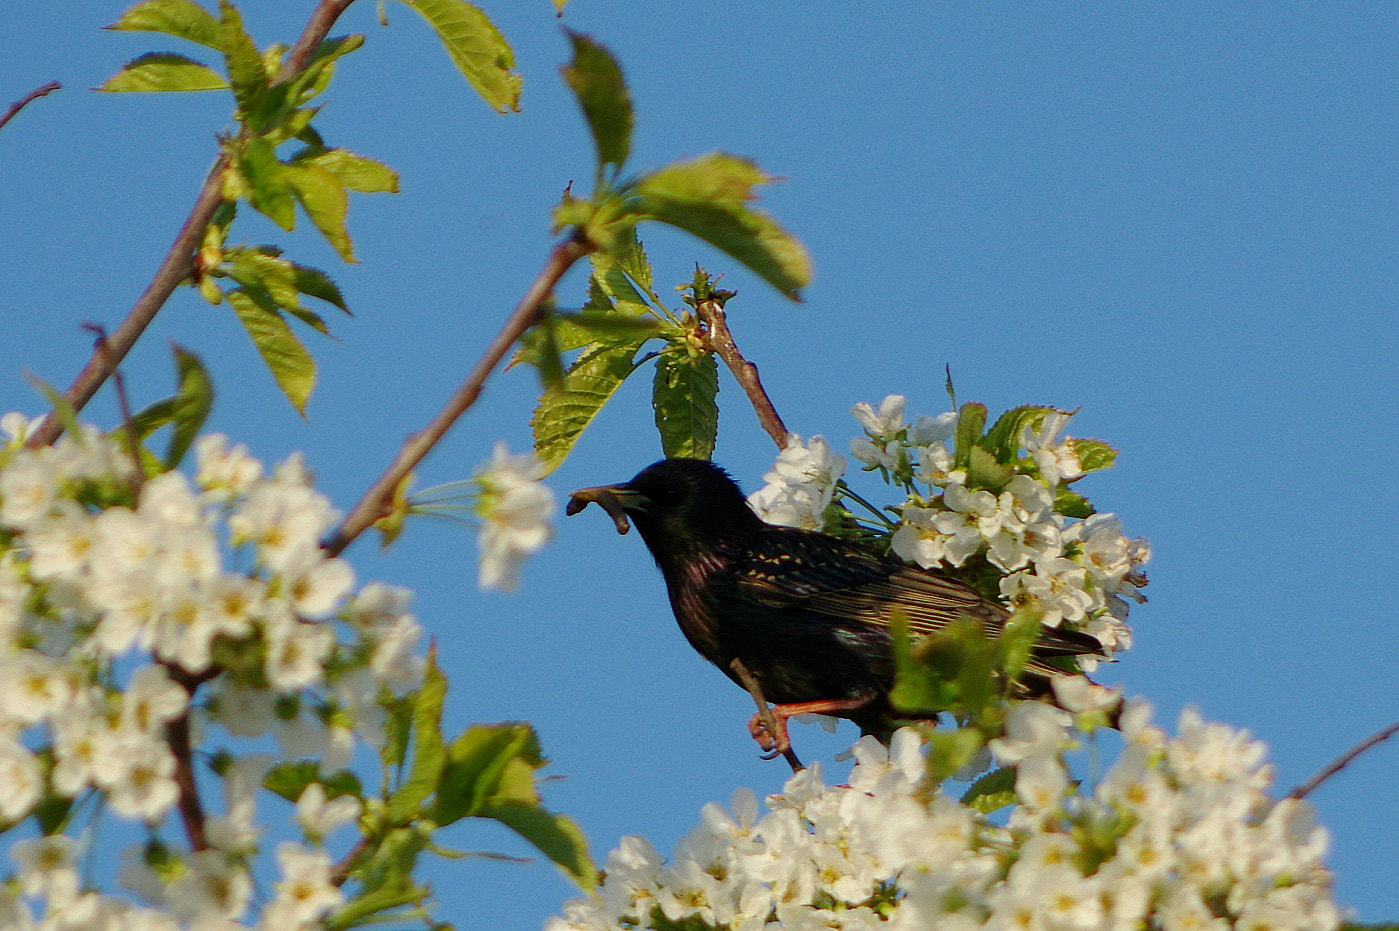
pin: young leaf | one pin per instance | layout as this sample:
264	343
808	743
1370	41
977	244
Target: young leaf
477	761
315	283
683	395
554	835
290	364
597	82
163	71
1094	454
182	18
353	171
246	71
1003	439
563	413
193	400
476	47
971	420
268	182
708	198
993	791
323	198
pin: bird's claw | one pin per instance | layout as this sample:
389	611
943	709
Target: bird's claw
773	745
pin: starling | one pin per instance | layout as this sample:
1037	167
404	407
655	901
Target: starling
806	613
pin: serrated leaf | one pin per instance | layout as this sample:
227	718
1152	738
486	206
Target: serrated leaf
476	47
597	82
1094	454
684	397
1071	504
323	198
163	71
269	182
563	413
993	791
555	836
429	750
315	283
290	364
194	399
315	77
355	172
614	281
708	198
1003	439
182	18
630	256
246	71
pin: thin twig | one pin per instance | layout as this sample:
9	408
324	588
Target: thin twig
750	682
340	872
721	343
375	502
133	439
178	261
1344	760
28	98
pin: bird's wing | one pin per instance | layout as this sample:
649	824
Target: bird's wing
820	574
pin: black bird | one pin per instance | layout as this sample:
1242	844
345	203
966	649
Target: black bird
806	613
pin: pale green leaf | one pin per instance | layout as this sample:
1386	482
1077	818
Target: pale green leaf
324	199
564	412
476	47
182	18
163	71
684	395
429	750
246	71
290	364
596	80
355	172
478	763
555	836
993	791
708	198
269	182
1094	454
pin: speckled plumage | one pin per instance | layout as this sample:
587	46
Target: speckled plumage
807	613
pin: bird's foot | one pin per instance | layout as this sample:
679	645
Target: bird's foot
778	743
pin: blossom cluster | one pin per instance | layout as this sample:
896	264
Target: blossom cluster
130	603
1083	572
1179	835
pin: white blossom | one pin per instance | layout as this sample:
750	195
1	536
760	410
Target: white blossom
515	510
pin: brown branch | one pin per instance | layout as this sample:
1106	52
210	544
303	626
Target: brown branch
720	341
750	682
28	98
376	501
178	261
1344	760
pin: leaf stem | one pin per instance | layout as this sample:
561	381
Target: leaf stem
720	341
374	504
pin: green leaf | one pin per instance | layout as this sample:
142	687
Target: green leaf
949	751
289	780
563	413
983	471
993	791
62	409
476	47
353	171
182	18
193	400
597	82
163	71
246	71
269	182
683	396
429	751
554	835
315	283
1003	439
477	762
1071	504
708	198
1017	639
290	364
1094	454
323	198
971	420
315	77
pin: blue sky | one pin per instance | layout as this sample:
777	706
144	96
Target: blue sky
1178	217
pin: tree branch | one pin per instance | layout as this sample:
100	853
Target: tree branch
28	98
720	341
176	265
1344	760
376	501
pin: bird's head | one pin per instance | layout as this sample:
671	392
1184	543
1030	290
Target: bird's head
677	505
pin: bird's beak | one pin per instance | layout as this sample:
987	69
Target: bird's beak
616	500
